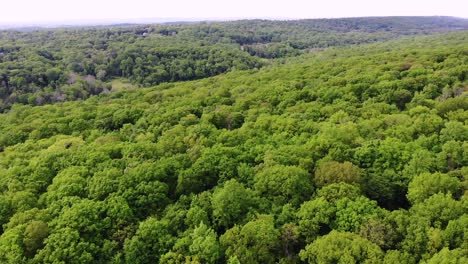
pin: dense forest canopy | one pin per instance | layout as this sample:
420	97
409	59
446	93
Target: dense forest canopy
54	65
351	154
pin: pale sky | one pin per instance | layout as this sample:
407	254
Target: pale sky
24	11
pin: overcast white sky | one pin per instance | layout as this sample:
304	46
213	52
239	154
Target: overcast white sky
22	11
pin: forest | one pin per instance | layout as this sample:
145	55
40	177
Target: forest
55	65
348	148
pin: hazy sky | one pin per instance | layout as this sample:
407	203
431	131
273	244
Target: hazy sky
59	10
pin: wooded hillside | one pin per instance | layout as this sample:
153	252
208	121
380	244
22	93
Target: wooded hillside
55	65
349	155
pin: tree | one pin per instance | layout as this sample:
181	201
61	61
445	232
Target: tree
255	242
34	235
439	209
284	184
314	218
341	247
378	232
144	197
151	241
53	74
231	203
422	161
336	191
401	97
351	214
22	201
454	130
333	172
453	155
102	184
65	245
11	248
456	233
396	256
5	210
215	166
447	256
425	185
126	66
69	182
205	245
451	104
290	241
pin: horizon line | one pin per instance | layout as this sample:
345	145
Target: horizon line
157	20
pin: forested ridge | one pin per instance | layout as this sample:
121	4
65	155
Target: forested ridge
346	155
53	65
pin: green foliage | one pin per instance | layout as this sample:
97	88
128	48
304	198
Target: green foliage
395	256
425	185
11	248
341	247
231	203
152	239
69	182
53	65
284	184
255	242
65	245
205	244
447	256
333	172
34	236
314	216
351	214
346	155
439	209
5	210
336	191
378	232
456	233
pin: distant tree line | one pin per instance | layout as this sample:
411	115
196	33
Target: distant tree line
54	65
